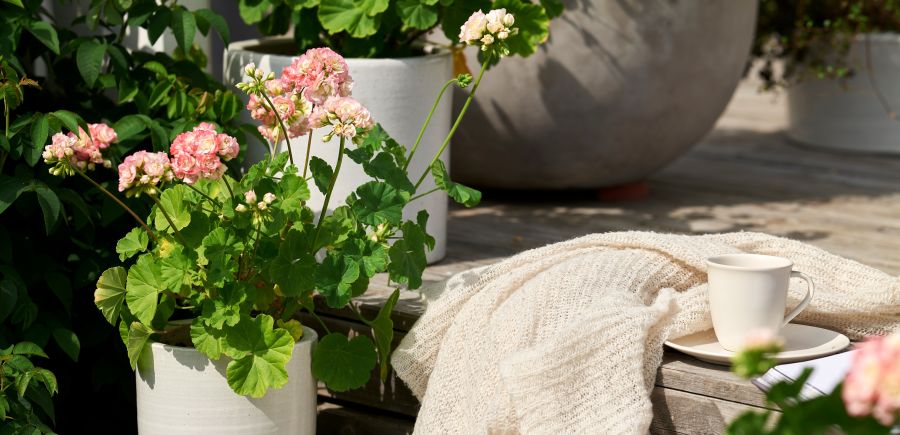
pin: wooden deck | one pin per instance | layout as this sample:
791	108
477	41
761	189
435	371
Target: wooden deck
745	175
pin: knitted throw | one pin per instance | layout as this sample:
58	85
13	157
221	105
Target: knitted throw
567	338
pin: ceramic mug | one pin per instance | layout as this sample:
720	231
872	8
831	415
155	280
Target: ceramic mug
748	292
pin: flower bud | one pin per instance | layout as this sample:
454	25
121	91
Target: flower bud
487	40
509	20
240	208
250	197
269	197
503	35
261	205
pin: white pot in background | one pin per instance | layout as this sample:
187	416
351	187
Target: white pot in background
181	391
399	94
847	114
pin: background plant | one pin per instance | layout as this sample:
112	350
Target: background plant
389	28
25	391
812	37
57	237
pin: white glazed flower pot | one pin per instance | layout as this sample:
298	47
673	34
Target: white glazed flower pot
847	114
181	391
399	94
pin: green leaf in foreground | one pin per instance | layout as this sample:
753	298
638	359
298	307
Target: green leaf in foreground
344	364
263	351
377	203
110	293
143	287
359	18
133	243
464	195
174	201
383	329
138	336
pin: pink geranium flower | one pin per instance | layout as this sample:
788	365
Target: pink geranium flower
344	115
873	385
82	151
199	153
319	73
143	171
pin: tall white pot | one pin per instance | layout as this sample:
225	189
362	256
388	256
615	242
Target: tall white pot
849	114
399	94
181	391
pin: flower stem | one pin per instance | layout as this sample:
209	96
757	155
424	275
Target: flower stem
228	186
308	150
168	219
118	201
337	168
280	125
427	121
424	194
203	194
458	120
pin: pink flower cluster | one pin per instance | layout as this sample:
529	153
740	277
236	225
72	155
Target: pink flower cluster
199	153
84	150
319	73
873	384
486	29
344	115
142	171
290	106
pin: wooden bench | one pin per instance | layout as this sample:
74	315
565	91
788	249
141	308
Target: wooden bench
744	176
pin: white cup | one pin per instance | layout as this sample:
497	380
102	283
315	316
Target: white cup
748	292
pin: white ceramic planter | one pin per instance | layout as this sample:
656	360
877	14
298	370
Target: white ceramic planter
847	114
184	392
398	92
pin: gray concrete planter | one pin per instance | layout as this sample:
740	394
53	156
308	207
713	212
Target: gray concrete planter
849	114
621	89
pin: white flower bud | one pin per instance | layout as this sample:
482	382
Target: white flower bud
503	35
107	164
240	208
269	197
250	69
250	197
509	20
487	40
261	205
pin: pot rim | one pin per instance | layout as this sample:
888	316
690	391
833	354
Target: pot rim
309	335
436	53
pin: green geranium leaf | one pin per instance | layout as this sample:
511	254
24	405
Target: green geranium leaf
263	351
110	293
554	8
133	243
174	201
294	267
344	364
532	22
176	269
89	59
293	191
335	229
417	14
334	279
220	248
359	18
464	195
138	336
224	310
197	230
377	203
143	287
408	255
206	340
384	167
321	173
372	256
383	329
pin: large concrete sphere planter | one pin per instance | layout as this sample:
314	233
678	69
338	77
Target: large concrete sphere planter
848	114
399	94
181	391
621	89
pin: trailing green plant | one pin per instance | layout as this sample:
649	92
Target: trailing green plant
240	258
812	37
55	237
25	391
390	28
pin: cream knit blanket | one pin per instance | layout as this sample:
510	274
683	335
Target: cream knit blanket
567	338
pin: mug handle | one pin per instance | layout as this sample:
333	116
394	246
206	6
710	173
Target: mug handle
810	290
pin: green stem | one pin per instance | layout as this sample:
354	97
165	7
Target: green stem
427	121
121	204
458	120
319	319
280	125
337	168
424	194
168	219
228	186
203	194
308	150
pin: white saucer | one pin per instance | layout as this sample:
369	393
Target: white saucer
801	343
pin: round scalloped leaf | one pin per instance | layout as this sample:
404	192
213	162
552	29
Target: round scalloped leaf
344	364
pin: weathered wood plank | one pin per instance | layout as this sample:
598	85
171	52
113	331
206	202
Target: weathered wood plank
350	420
681	412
